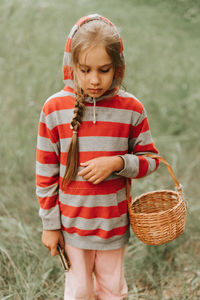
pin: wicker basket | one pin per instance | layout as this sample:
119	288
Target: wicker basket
158	217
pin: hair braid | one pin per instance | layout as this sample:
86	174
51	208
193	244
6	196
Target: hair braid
78	112
73	151
90	34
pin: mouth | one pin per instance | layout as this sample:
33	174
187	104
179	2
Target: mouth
95	91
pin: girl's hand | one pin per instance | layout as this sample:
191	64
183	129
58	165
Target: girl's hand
97	169
51	238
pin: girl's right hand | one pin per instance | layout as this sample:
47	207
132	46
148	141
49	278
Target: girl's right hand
51	238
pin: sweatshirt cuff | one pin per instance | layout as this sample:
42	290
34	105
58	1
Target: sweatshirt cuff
49	225
131	166
50	218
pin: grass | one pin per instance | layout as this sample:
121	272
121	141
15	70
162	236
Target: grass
161	41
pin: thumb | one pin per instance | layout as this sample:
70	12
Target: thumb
85	164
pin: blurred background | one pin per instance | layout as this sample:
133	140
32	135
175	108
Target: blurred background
161	41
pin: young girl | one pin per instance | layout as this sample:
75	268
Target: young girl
92	136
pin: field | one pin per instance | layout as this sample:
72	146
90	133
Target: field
161	41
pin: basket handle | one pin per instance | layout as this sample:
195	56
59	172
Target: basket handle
160	158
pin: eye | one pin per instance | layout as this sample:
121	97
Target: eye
105	70
84	70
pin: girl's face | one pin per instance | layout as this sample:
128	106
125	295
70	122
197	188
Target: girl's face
94	71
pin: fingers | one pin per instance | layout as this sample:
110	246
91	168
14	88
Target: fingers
95	170
45	243
51	238
54	250
85	171
97	181
91	176
88	173
85	164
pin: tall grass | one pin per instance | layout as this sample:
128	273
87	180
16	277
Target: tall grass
161	40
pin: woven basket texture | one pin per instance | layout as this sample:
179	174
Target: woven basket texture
158	217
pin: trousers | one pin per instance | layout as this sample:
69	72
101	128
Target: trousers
95	274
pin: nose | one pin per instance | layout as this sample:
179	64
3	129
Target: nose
94	80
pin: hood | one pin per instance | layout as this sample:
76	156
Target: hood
67	65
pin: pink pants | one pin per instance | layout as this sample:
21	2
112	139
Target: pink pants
104	266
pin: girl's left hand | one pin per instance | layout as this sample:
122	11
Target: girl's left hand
97	169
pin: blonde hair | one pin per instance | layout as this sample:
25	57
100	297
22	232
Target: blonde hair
90	34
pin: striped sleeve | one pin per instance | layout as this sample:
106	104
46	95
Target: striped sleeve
47	176
136	165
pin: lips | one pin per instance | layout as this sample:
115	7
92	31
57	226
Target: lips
95	91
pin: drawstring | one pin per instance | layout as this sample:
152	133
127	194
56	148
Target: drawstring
94	110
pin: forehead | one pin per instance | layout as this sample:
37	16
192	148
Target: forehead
94	56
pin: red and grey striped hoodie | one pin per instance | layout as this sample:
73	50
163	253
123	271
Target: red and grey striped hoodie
90	216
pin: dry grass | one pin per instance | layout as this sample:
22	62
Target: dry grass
162	52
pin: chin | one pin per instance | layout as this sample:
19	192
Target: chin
95	95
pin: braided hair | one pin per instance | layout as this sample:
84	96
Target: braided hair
89	34
73	151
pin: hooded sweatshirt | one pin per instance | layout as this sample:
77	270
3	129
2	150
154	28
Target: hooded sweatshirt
91	216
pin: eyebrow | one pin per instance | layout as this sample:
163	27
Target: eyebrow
103	66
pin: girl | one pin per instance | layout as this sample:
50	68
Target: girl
92	136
